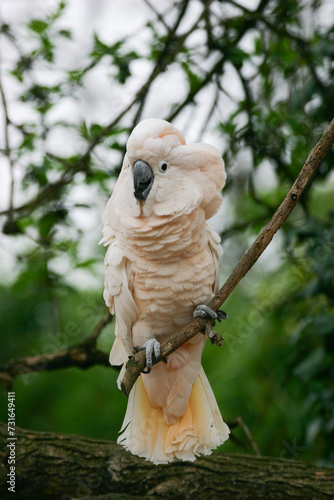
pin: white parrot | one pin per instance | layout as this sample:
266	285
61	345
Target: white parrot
161	266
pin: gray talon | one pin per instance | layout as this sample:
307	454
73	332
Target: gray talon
222	314
203	311
151	346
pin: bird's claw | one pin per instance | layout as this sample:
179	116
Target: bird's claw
151	346
213	336
203	311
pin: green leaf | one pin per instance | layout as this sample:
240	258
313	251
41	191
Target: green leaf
100	49
76	76
35	174
95	130
23	64
47	48
237	56
117	146
88	262
46	223
194	79
66	34
83	130
38	26
97	176
28	141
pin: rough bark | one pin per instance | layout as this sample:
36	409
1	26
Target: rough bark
58	466
136	363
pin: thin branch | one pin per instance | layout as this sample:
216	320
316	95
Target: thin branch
250	137
136	363
159	16
217	69
169	56
83	355
52	189
248	23
8	152
255	196
80	164
238	422
229	231
210	114
171	48
104	321
302	45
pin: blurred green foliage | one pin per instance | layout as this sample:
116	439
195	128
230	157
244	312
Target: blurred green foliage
276	366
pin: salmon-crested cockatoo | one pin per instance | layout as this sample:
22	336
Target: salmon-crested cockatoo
161	267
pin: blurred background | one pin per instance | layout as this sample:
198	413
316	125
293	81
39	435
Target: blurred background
252	77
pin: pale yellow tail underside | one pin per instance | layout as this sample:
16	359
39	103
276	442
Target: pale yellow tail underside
200	430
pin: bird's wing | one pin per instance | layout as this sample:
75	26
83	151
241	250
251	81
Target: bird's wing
118	297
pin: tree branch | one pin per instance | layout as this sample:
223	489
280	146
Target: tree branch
83	355
172	47
58	466
229	231
167	56
217	68
136	363
8	153
238	422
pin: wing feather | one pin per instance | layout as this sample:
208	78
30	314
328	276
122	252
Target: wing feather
217	252
118	297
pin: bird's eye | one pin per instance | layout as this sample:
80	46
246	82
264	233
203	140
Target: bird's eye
163	166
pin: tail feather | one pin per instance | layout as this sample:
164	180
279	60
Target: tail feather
200	430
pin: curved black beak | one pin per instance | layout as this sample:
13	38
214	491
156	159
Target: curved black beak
143	178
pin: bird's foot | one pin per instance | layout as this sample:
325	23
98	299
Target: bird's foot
151	346
213	336
203	311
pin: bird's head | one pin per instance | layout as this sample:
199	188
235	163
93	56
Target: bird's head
161	175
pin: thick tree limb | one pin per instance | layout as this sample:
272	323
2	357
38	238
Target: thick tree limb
63	467
136	363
